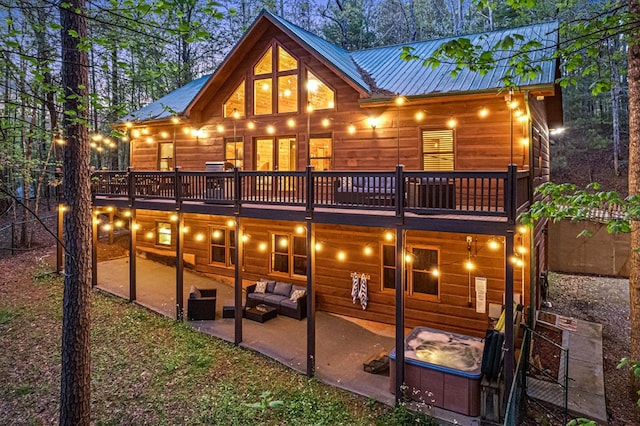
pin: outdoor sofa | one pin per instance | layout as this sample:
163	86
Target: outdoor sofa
279	295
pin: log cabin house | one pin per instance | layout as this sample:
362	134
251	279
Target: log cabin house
298	161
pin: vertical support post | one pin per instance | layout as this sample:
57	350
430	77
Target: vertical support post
237	191
238	255
400	274
311	298
508	313
309	191
94	249
510	193
131	185
177	186
180	267
399	188
133	233
59	252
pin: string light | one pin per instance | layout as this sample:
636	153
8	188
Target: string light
368	251
483	112
135	226
245	238
493	243
164	135
251	125
271	130
119	224
106	227
341	256
216	234
522	229
318	246
175	120
173	217
128	124
299	229
435	272
231	223
388	236
521	249
283	242
136	133
148	235
199	237
145	131
351	129
262	246
325	122
291	123
420	115
220	128
469	265
451	123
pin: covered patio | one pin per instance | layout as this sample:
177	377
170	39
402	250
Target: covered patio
342	344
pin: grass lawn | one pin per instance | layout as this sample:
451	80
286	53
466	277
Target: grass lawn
148	369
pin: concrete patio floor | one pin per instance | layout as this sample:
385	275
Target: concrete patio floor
342	345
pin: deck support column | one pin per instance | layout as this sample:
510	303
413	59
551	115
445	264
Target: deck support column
400	274
508	313
180	267
311	300
94	250
111	216
237	259
132	255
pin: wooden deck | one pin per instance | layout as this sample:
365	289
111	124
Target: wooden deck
456	201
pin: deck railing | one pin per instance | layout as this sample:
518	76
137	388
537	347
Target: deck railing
487	193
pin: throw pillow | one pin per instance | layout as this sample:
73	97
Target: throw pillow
283	289
261	286
297	294
194	293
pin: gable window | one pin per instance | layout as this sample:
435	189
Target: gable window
223	246
320	152
234	152
422	277
163	236
437	150
289	254
319	95
165	156
275	84
234	106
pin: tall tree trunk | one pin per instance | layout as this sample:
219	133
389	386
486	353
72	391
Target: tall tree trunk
75	399
616	92
115	101
634	176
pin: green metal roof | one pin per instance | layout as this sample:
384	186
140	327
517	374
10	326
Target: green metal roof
410	78
173	103
381	70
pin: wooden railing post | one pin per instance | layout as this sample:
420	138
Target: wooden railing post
309	189
177	186
131	185
399	191
237	190
510	196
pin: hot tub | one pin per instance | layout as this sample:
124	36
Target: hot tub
442	369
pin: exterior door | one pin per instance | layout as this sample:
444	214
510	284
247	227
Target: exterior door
276	154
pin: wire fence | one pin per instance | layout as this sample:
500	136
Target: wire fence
11	234
539	385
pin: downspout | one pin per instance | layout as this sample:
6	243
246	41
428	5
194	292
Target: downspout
533	266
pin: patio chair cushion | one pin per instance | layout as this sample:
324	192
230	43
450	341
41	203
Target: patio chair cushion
261	287
296	294
288	303
256	296
274	299
194	293
283	289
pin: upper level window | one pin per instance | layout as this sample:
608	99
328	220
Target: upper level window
165	156
319	95
437	150
275	84
234	106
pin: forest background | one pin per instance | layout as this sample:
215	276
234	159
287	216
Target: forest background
140	51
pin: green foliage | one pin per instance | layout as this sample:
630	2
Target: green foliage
566	201
634	367
581	421
6	315
403	415
265	403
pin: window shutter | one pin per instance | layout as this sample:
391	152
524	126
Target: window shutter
437	150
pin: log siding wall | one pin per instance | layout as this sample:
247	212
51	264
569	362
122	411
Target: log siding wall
332	277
